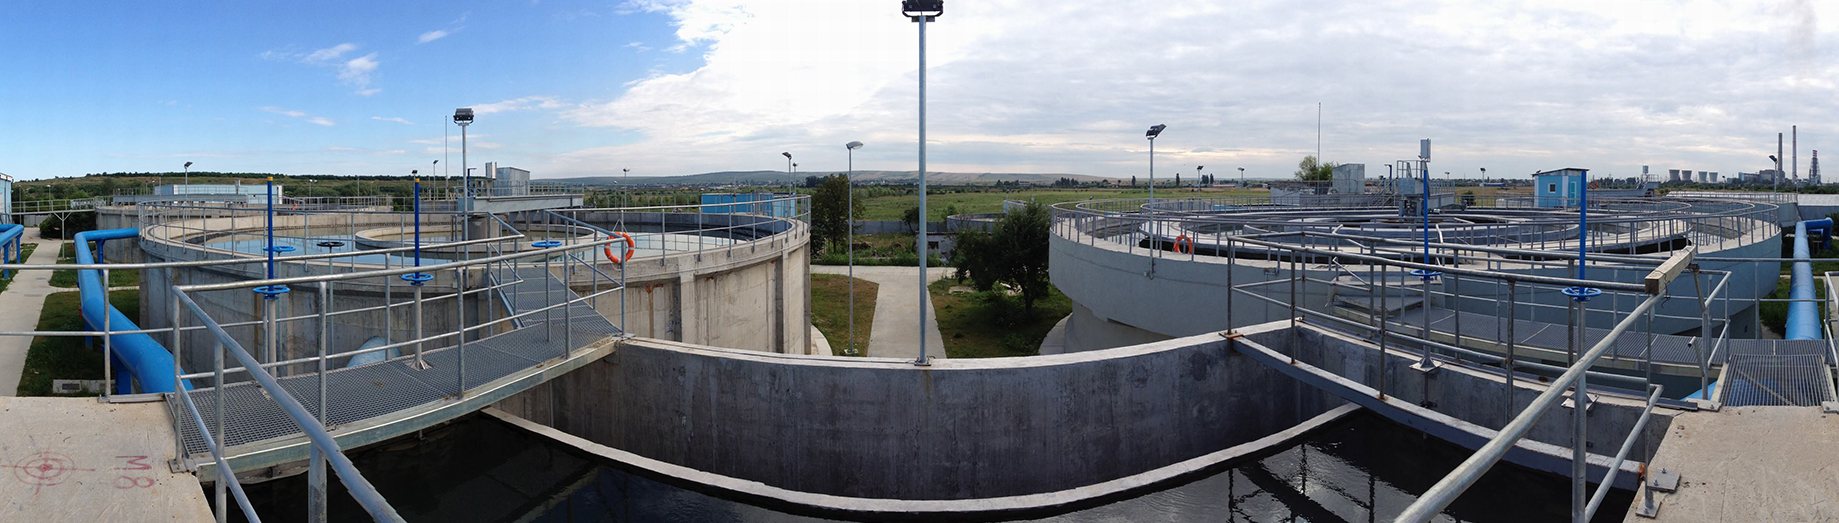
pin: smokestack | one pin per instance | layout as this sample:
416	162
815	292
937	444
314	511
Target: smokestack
1796	131
1778	161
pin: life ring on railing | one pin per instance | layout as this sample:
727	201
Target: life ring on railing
608	249
1184	238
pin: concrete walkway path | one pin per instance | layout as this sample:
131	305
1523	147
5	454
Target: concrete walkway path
25	298
897	330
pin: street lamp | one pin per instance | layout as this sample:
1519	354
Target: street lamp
1155	241
850	239
627	173
1778	171
464	117
1241	177
920	12
1197	173
188	173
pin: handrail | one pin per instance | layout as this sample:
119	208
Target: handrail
360	488
241	259
388	272
1446	490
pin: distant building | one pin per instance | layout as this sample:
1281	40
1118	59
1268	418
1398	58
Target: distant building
6	199
236	193
1558	188
1350	178
775	205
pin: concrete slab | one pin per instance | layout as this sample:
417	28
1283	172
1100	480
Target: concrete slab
25	297
1750	464
1055	342
74	459
897	330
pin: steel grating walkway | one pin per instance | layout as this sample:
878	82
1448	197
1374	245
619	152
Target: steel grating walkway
1668	348
1775	380
370	391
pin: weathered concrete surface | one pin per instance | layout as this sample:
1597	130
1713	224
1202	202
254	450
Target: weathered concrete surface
25	299
884	428
1007	507
73	459
897	305
1750	464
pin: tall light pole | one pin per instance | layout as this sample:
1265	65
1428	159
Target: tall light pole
627	173
788	163
1778	171
464	117
188	173
433	169
850	239
1241	177
1155	241
1197	169
920	12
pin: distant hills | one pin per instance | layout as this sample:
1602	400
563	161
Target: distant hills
783	178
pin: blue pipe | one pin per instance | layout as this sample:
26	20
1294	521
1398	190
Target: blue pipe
1803	316
9	236
147	362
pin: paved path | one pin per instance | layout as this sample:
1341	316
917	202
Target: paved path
896	332
24	298
74	459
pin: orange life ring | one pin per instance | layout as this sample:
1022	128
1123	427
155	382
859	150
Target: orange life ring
608	249
1184	238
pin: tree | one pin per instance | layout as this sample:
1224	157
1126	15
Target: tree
1313	170
911	218
1133	181
1178	179
812	182
1012	252
830	211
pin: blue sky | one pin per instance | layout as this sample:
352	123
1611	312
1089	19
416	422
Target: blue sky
150	85
686	86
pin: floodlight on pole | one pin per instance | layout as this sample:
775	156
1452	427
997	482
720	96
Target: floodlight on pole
1241	177
921	12
849	180
464	117
188	173
1155	241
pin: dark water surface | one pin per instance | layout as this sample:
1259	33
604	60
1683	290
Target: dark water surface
1365	468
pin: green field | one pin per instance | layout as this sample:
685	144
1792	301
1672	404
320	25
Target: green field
989	325
830	311
68	357
985	200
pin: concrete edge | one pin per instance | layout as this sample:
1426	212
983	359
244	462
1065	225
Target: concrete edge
1007	507
938	365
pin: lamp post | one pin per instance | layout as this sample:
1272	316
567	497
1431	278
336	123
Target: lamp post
1155	241
1778	172
1241	177
627	173
850	239
920	12
464	117
1197	178
188	173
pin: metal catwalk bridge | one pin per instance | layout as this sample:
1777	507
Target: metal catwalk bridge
377	401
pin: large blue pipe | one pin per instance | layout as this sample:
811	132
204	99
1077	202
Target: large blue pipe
9	245
1803	316
145	360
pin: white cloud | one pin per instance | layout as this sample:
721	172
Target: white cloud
519	104
321	120
1068	87
397	120
284	112
368	92
432	36
357	70
330	53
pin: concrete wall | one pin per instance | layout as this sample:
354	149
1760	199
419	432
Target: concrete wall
883	428
982	428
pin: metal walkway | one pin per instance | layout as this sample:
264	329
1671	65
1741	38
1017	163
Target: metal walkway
383	391
1668	348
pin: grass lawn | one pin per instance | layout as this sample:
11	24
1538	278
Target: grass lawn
881	249
25	253
988	325
68	278
65	357
830	311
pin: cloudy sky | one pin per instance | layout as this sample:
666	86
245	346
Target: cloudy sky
685	86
